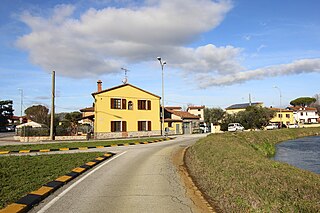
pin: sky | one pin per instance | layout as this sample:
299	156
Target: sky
216	52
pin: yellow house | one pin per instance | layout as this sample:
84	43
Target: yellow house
283	116
125	111
235	108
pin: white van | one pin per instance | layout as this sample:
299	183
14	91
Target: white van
233	127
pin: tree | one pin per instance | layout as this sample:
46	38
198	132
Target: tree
255	117
71	120
303	101
252	118
213	115
316	104
38	113
6	111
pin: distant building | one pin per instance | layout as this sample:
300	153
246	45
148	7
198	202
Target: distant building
180	122
198	111
304	114
235	108
283	116
87	115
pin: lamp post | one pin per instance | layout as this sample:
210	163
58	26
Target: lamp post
280	104
162	63
21	103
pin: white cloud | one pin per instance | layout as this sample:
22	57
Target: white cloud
101	41
296	67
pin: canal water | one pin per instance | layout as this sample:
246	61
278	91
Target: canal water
303	153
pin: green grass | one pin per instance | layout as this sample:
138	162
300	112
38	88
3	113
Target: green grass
70	144
236	175
19	175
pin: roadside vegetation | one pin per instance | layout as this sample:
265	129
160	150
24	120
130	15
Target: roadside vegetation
19	175
71	144
236	174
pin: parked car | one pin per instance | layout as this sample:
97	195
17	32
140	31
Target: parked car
271	126
11	128
204	128
233	127
293	126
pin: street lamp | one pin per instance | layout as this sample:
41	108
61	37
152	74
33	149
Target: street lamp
280	103
21	103
162	63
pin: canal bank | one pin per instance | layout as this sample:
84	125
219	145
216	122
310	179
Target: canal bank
235	173
303	153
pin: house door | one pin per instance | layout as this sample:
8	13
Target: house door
177	128
186	128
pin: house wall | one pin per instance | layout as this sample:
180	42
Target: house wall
284	119
173	129
104	114
234	111
306	117
197	112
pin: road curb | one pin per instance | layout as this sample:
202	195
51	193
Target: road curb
4	152
25	203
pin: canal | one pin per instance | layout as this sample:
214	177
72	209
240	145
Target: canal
303	153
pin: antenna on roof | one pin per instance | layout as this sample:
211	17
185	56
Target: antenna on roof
125	80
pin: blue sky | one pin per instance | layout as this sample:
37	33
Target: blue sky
217	52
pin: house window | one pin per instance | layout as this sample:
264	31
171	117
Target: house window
144	125
199	115
169	124
117	103
118	126
198	110
130	105
144	105
287	115
280	115
301	113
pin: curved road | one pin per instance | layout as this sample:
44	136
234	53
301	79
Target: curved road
139	178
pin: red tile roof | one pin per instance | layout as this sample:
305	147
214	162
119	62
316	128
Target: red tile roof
87	109
196	107
300	108
278	109
183	114
124	85
173	107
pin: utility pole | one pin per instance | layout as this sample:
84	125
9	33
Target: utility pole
52	107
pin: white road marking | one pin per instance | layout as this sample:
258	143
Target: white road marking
53	201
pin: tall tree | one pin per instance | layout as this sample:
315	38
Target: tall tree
303	101
6	111
213	115
38	113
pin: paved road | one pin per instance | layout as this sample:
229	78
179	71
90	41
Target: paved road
139	178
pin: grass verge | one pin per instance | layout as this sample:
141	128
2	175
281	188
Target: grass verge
20	175
70	144
235	174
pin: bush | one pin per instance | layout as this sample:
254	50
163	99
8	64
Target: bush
28	131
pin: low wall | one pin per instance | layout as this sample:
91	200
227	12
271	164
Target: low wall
108	135
47	138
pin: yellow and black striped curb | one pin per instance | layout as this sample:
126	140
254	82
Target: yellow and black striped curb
3	152
25	203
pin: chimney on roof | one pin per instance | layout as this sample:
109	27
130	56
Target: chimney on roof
99	84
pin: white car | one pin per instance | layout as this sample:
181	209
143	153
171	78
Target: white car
271	126
293	126
233	127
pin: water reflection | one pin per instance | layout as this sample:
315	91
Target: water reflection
303	153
